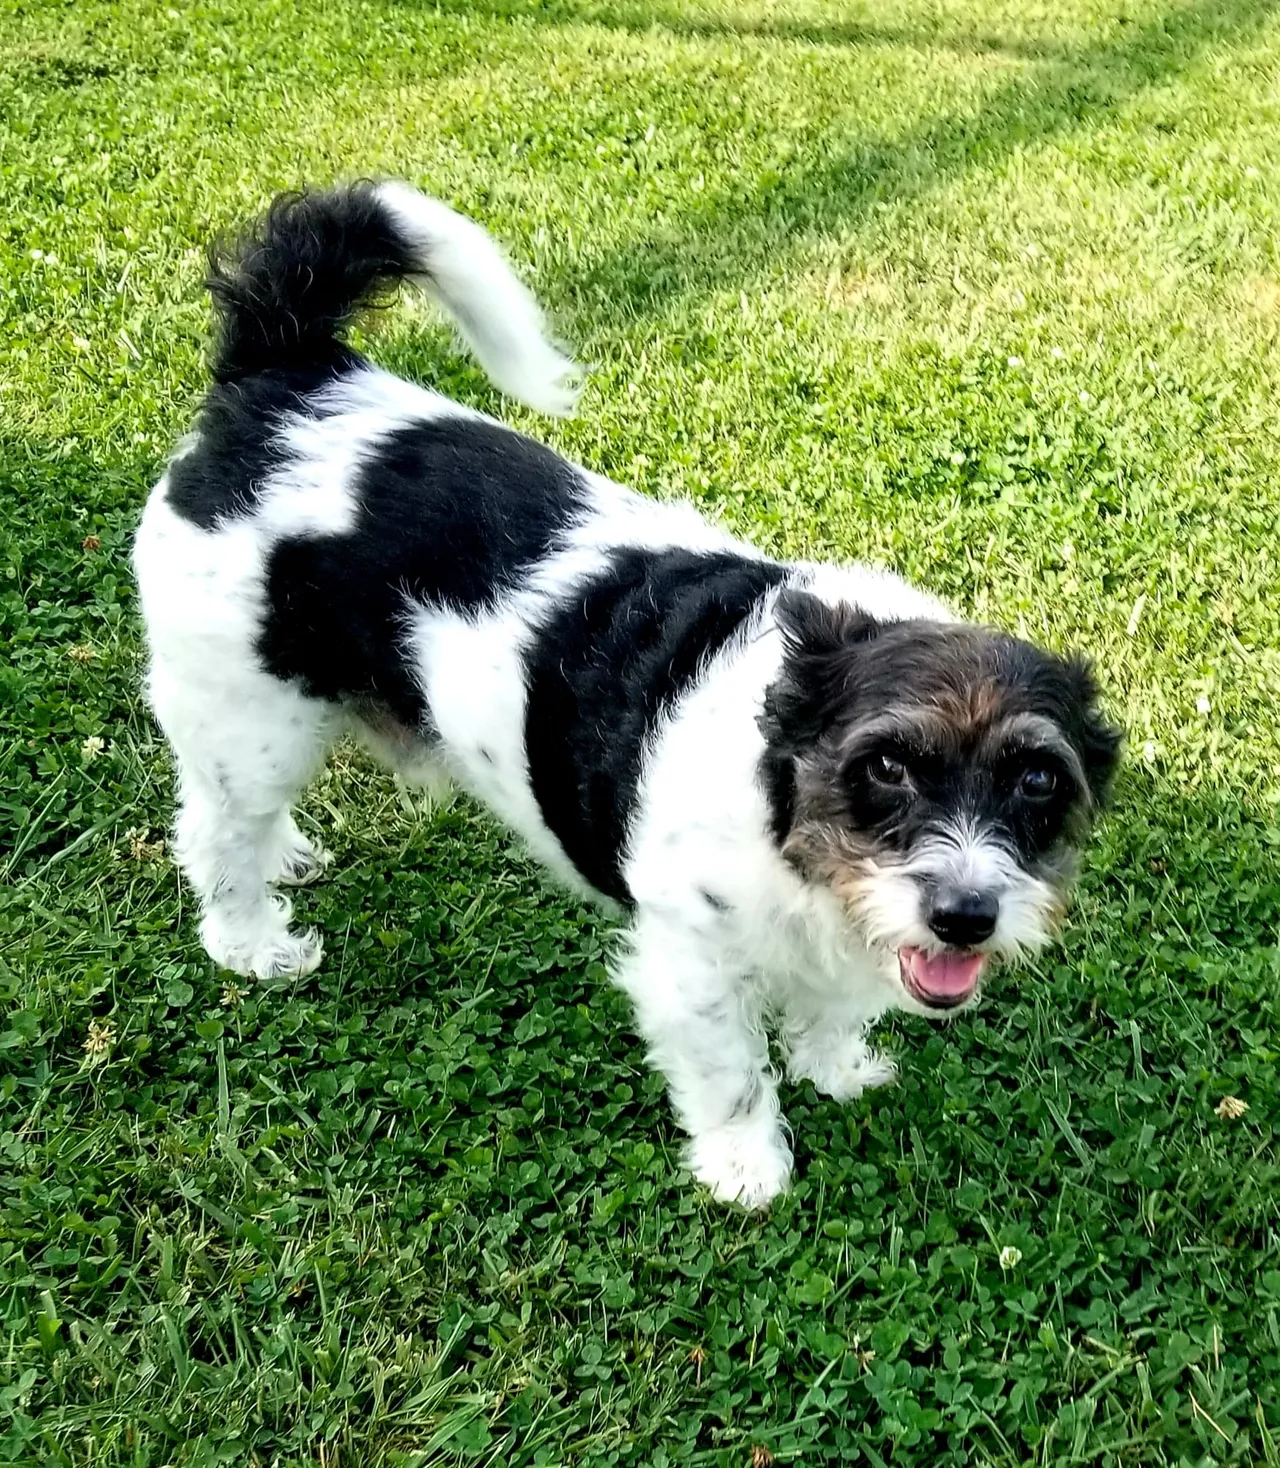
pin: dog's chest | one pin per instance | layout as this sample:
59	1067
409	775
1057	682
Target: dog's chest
807	944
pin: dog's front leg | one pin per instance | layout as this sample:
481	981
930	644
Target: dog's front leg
824	1035
705	1037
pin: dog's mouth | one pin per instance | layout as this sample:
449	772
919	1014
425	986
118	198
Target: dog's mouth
940	980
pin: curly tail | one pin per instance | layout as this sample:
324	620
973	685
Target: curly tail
284	293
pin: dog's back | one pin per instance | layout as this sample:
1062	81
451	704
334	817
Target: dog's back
335	546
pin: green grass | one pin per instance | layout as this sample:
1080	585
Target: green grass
986	291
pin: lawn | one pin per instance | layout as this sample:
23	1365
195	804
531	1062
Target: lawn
989	292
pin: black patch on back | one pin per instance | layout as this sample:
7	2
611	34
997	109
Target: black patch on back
600	674
238	441
452	512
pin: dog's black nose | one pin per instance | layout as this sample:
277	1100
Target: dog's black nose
963	917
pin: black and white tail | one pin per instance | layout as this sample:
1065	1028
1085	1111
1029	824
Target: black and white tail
284	292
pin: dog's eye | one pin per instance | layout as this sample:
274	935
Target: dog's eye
886	770
1037	783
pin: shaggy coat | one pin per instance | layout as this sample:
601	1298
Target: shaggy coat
816	794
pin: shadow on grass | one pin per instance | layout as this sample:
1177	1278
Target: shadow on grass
813	32
735	234
1203	868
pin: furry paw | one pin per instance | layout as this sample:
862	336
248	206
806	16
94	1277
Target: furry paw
744	1162
842	1070
298	862
274	952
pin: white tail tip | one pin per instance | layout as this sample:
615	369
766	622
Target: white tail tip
461	267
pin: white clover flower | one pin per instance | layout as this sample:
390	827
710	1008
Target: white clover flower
100	1041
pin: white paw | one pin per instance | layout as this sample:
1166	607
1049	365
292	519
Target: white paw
744	1162
299	863
841	1071
273	952
296	955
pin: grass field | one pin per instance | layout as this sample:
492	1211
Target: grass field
986	291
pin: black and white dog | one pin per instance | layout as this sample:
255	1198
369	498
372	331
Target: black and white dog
817	793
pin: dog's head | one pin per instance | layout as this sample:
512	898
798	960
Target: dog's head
939	779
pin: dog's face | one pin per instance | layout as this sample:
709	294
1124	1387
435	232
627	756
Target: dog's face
939	779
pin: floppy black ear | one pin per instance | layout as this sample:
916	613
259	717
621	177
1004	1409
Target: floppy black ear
820	648
1096	739
813	627
820	644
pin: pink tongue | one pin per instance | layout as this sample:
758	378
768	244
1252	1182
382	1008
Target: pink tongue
943	975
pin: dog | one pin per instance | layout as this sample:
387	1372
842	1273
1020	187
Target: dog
816	793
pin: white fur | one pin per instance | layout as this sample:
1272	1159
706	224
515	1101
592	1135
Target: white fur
889	907
464	270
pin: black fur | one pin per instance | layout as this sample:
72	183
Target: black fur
222	476
452	512
799	706
1097	741
600	674
281	296
932	697
283	293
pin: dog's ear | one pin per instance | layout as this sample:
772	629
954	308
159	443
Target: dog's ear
812	627
1097	741
820	653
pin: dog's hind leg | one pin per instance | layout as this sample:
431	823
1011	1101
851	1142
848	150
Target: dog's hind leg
244	755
